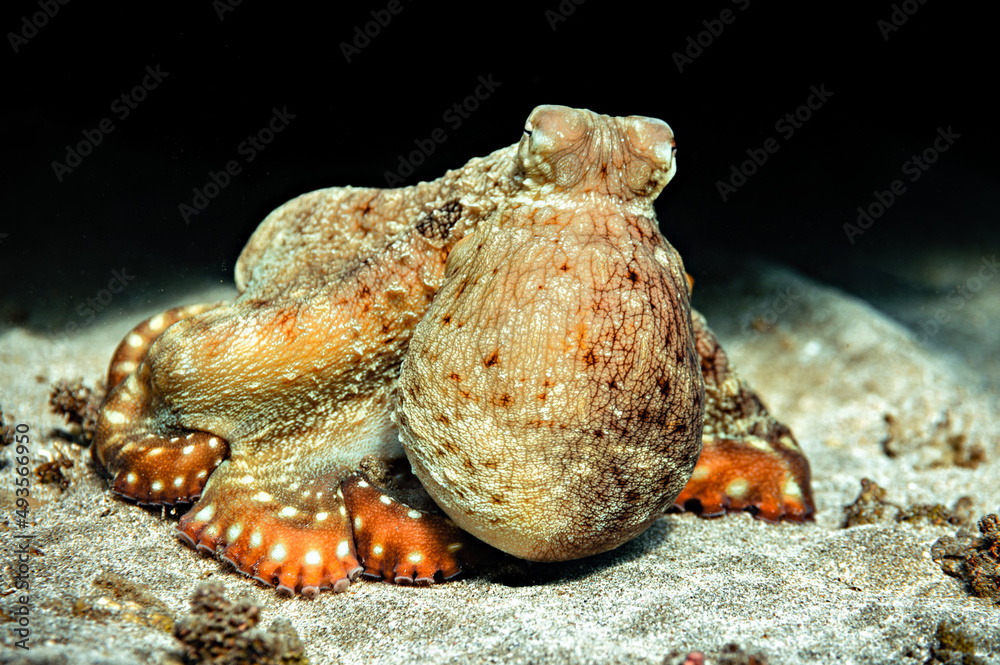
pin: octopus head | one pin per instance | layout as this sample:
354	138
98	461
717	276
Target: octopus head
575	149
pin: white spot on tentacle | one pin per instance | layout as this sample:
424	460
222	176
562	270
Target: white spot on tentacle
700	472
126	366
114	417
791	488
737	489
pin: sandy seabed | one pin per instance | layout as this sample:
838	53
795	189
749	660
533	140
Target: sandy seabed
831	366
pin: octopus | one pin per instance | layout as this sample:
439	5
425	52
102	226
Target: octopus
504	359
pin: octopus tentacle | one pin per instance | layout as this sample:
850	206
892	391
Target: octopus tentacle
749	460
133	348
750	474
149	460
294	535
404	544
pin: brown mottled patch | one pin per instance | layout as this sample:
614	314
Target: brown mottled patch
443	419
455	376
446	319
492	359
505	400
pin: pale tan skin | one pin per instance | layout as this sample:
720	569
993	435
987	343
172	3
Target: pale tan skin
551	401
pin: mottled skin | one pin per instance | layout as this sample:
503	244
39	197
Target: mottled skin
552	401
291	383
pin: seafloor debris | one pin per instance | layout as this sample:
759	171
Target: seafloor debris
973	559
51	472
120	599
6	431
947	436
951	645
223	632
731	654
78	404
871	508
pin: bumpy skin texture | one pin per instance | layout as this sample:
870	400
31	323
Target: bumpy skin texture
280	394
552	400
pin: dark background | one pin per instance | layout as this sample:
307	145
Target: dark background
119	207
